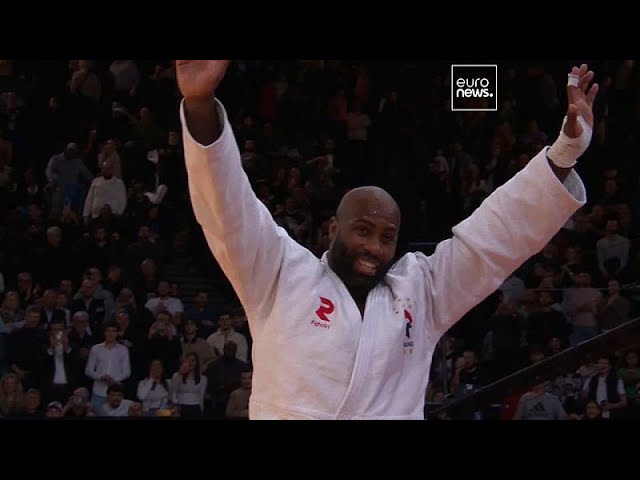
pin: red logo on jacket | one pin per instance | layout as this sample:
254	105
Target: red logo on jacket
326	308
409	325
408	343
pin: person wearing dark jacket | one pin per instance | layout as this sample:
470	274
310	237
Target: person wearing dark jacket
93	306
80	342
26	351
50	314
607	390
59	373
163	344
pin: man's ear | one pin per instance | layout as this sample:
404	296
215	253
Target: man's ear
333	228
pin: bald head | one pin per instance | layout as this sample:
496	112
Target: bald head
363	236
366	201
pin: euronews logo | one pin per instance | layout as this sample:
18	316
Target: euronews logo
474	88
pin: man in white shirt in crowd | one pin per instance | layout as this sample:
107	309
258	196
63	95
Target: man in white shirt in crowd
163	302
227	333
105	190
108	364
116	405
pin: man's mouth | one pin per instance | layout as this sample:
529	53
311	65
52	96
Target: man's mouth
365	267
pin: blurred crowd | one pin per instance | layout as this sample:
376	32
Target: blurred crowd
94	206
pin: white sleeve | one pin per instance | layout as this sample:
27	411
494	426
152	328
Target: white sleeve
240	231
90	369
88	202
144	388
621	390
51	171
515	222
179	306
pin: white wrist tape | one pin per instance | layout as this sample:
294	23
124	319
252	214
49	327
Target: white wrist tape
565	151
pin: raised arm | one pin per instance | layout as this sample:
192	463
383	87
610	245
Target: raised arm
144	388
516	221
90	369
239	229
52	170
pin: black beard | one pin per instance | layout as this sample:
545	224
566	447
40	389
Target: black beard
341	262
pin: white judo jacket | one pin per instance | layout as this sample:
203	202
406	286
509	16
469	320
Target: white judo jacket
314	355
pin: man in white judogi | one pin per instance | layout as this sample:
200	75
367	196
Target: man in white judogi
351	335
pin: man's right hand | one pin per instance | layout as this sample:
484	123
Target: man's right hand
198	81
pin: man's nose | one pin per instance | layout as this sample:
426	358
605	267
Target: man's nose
373	247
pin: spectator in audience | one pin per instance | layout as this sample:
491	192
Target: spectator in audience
84	82
135	410
95	308
64	173
108	364
11	314
205	315
109	153
154	391
50	313
191	342
581	304
629	373
32	404
539	405
55	262
469	376
163	343
105	190
126	80
607	390
226	333
592	411
614	309
613	250
188	387
26	349
54	410
11	395
116	405
238	405
79	404
546	323
166	303
95	275
58	379
224	376
26	289
80	341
